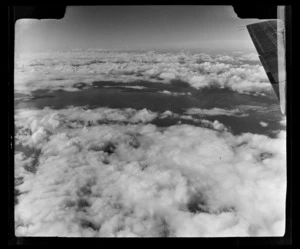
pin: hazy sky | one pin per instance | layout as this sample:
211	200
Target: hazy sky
136	28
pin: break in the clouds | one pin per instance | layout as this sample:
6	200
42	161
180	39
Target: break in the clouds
64	70
109	172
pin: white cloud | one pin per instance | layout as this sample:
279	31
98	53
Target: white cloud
55	70
174	93
283	121
263	124
249	57
106	172
216	111
199	81
218	126
226	58
168	75
167	113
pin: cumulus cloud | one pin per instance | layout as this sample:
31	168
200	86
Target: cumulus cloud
64	70
108	172
263	124
215	125
167	113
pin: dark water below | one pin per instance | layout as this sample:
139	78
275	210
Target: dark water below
118	97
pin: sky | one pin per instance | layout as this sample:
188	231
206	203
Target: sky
136	28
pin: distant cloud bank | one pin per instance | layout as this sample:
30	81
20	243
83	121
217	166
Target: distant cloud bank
240	72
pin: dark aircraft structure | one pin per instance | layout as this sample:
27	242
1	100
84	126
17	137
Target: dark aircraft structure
269	40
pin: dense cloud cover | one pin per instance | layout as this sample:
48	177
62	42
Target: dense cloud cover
240	72
109	172
113	172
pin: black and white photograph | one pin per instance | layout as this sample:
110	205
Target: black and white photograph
150	121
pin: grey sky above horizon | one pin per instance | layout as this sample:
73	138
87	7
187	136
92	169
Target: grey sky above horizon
136	28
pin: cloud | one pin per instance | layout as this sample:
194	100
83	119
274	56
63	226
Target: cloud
63	70
226	58
174	93
283	121
249	57
263	124
167	113
133	87
216	111
108	172
215	125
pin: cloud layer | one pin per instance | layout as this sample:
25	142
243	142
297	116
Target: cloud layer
216	111
238	72
109	172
